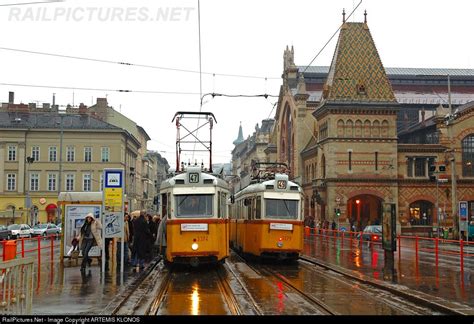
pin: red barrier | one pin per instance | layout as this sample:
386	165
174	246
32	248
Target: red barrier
461	251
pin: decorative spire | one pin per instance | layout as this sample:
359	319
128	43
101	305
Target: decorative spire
301	88
240	137
365	16
343	15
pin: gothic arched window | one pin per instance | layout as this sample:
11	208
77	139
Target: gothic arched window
468	156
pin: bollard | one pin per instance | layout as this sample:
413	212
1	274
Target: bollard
10	250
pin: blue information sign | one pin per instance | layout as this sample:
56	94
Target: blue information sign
463	210
113	179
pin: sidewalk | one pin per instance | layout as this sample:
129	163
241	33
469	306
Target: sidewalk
444	284
67	291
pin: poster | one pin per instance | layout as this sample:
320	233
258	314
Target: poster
113	224
74	217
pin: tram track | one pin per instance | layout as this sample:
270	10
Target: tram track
267	272
133	299
326	309
212	290
396	298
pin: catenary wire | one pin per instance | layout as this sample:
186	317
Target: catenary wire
133	64
329	40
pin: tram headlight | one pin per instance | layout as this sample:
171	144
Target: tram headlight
194	246
280	242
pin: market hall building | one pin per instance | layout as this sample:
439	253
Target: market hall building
356	135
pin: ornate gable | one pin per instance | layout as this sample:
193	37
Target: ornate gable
356	72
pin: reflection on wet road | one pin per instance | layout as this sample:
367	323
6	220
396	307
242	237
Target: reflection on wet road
194	291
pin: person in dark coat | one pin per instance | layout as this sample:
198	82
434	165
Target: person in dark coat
141	239
152	227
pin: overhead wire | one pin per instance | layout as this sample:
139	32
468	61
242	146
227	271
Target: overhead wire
29	3
314	58
97	60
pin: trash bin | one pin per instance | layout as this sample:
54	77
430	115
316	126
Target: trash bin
10	250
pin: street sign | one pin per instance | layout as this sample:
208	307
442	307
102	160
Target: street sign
463	215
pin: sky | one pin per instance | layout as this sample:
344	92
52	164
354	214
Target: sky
237	37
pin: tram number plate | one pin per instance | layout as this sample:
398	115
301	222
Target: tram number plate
280	226
186	227
194	178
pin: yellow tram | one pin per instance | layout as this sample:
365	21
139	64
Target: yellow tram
266	218
194	201
197	226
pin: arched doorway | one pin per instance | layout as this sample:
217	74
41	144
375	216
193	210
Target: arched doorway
421	213
364	210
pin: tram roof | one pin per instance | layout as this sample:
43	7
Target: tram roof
262	186
182	180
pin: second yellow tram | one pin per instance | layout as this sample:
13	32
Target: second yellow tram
267	219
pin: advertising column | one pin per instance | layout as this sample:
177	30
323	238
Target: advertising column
113	209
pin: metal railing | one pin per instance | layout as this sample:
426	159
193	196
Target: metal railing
16	286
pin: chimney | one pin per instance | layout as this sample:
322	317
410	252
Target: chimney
82	109
11	97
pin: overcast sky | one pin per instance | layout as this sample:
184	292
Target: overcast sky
238	37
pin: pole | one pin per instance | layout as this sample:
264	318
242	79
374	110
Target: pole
453	167
437	204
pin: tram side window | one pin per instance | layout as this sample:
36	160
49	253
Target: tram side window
222	211
164	205
281	208
249	208
258	208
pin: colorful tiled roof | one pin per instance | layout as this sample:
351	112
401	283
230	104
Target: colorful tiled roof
356	72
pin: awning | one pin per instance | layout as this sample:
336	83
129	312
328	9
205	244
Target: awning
51	207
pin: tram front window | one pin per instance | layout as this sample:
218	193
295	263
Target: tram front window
281	208
194	206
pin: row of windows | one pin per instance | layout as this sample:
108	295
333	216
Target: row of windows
53	153
52	180
416	166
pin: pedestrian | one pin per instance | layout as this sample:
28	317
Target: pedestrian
133	216
333	225
151	240
161	237
141	239
126	238
89	236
